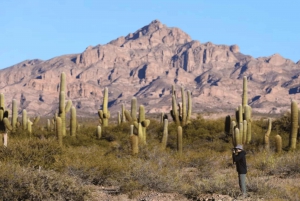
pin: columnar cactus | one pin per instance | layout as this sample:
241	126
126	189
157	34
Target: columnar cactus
36	120
174	91
119	118
24	119
247	109
144	122
189	111
123	118
141	123
232	127
134	141
99	132
59	133
73	122
133	109
63	108
240	120
141	134
244	131
14	114
245	92
267	135
48	125
29	127
104	114
183	114
238	137
174	112
2	101
278	142
162	117
294	125
179	140
165	135
227	125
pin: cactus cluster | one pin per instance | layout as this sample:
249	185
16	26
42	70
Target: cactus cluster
182	114
241	131
104	114
141	123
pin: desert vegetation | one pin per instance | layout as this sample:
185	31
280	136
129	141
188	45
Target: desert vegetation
189	156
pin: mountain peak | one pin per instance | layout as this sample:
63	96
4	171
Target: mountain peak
151	35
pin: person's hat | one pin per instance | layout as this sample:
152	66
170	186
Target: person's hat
239	146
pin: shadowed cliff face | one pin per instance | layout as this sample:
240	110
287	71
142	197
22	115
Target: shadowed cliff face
146	64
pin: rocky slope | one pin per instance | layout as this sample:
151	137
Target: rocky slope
145	64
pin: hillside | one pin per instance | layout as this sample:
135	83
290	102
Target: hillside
146	64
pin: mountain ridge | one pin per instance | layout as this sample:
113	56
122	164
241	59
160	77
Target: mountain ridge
147	63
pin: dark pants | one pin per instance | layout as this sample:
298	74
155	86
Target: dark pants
242	183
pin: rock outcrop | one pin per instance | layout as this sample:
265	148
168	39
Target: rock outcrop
146	64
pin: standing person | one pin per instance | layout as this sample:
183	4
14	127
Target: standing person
239	158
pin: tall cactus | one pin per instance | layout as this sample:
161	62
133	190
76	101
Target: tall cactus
267	135
48	125
227	125
245	92
29	127
133	109
179	140
104	114
232	127
59	133
174	112
73	122
144	122
141	123
14	114
63	108
189	110
165	134
244	131
247	109
278	142
238	137
294	126
134	141
2	101
123	118
99	132
182	115
24	119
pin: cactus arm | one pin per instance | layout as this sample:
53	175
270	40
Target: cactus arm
184	113
7	124
134	108
245	92
59	131
73	122
165	135
189	111
179	140
174	112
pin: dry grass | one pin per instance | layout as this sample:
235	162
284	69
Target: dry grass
37	168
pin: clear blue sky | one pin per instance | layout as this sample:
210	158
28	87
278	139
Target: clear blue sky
43	29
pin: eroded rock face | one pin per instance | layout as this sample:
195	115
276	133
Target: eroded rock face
146	64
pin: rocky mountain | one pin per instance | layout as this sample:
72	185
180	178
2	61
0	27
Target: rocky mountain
146	64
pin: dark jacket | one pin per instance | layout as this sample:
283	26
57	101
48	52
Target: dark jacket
240	162
2	127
